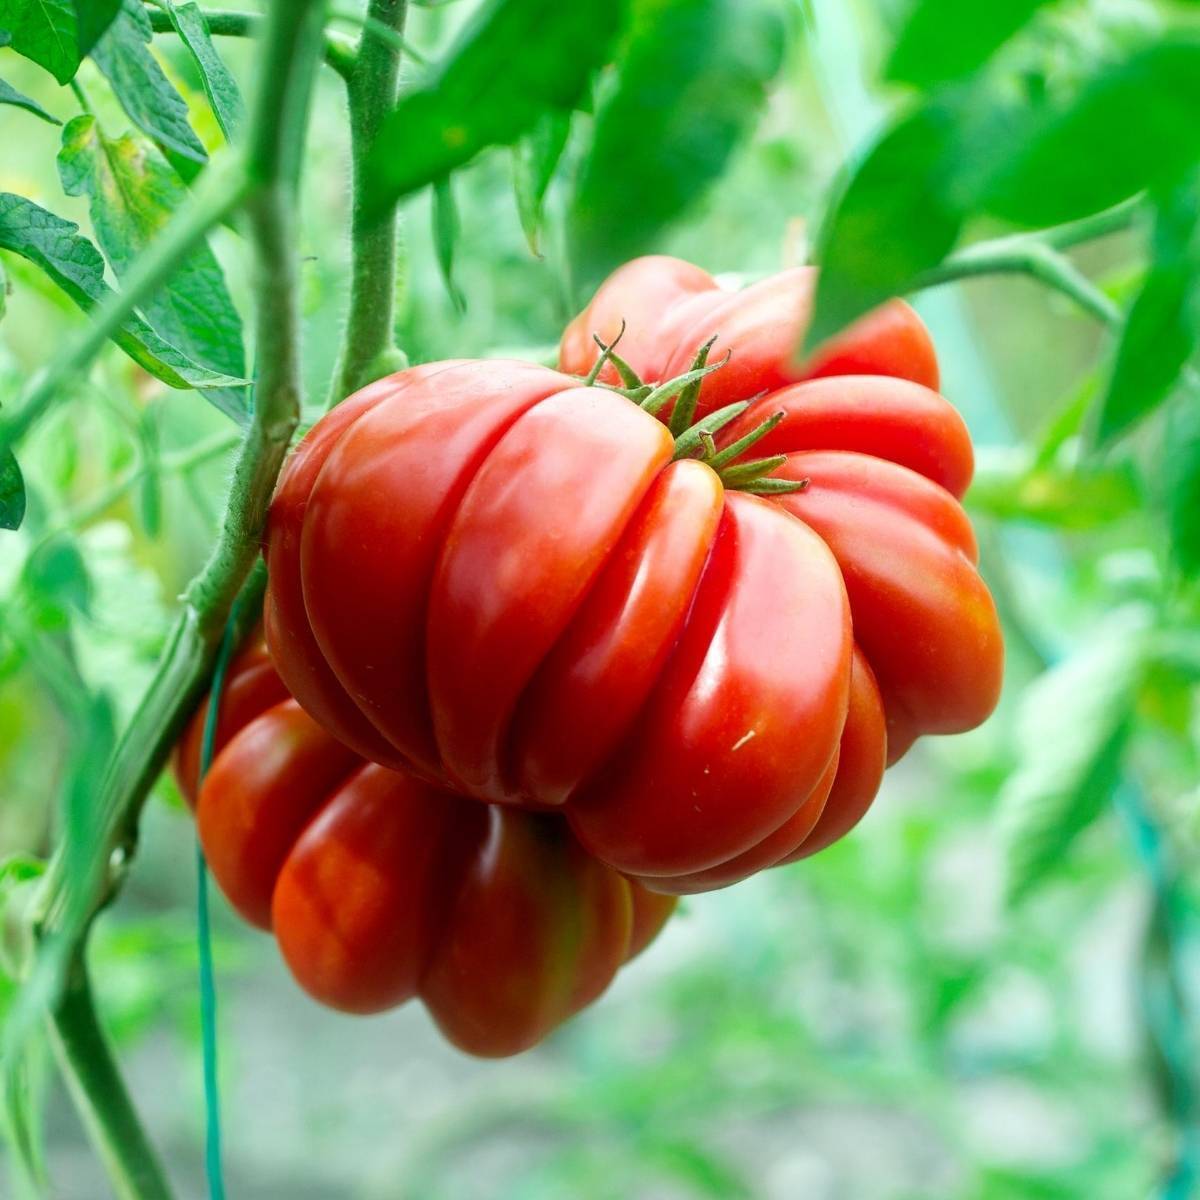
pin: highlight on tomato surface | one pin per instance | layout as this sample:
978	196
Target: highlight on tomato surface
685	590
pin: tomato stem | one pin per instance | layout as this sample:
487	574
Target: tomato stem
684	412
697	439
717	460
658	397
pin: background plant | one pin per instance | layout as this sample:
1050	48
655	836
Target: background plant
992	985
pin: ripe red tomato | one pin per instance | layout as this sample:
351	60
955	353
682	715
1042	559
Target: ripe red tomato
380	888
507	583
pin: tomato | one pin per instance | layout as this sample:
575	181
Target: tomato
670	308
515	587
380	888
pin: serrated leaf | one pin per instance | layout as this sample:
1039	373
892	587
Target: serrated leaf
219	85
75	265
1180	478
1131	125
514	60
133	193
943	40
10	95
535	159
1071	735
12	492
1163	326
897	216
692	76
146	94
445	238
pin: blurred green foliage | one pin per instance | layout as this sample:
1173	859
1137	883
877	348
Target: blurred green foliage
989	990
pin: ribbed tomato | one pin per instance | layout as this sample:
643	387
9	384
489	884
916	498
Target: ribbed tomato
380	888
535	593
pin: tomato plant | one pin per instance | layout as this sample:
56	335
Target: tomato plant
565	361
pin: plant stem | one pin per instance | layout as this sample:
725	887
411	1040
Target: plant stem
1035	259
217	194
338	50
70	899
1039	256
368	350
87	1063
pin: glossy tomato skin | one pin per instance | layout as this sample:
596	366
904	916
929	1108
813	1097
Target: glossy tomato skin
509	578
380	887
671	308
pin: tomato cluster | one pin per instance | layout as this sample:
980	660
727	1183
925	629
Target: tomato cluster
517	585
380	888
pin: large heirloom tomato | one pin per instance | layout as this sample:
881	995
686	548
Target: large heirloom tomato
537	593
379	888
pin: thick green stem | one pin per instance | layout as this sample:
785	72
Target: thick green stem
1039	255
87	1063
1037	260
71	899
368	349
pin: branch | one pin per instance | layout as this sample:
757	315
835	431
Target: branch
86	1059
338	50
71	899
368	351
1039	255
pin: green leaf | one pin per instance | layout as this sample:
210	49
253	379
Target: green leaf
94	17
10	95
1180	477
445	238
1071	735
1131	125
145	93
944	40
133	193
1163	326
12	492
897	216
75	265
535	158
219	84
691	79
56	579
514	60
55	34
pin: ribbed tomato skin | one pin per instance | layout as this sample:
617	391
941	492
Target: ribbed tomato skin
500	581
380	887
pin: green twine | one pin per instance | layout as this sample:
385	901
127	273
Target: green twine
208	988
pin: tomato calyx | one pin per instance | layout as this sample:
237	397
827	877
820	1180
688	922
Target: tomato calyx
697	439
